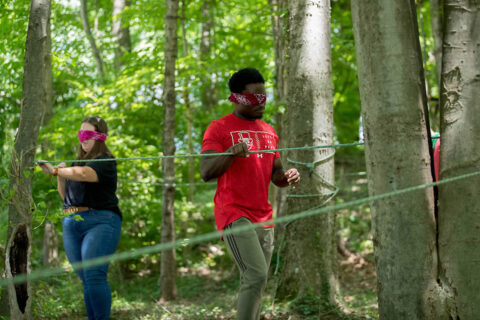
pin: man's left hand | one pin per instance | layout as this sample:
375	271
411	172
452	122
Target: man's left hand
293	176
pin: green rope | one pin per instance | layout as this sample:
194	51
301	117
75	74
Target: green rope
169	184
204	154
311	166
35	275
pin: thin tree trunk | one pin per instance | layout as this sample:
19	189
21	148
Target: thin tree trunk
436	17
459	207
191	161
208	96
168	265
310	250
436	14
397	151
48	112
279	8
34	98
4	306
50	237
121	32
189	114
91	39
50	245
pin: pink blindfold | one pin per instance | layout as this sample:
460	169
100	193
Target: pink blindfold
94	135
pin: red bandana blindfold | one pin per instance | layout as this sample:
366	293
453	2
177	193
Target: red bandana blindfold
248	98
94	135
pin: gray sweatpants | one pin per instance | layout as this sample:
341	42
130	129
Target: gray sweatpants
252	251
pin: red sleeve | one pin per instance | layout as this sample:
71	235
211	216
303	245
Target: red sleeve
212	138
277	154
436	158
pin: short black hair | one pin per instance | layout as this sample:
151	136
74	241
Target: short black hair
242	77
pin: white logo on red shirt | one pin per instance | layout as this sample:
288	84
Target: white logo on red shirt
255	140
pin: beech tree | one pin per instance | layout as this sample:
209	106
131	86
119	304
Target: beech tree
398	155
168	264
121	32
459	205
34	101
310	246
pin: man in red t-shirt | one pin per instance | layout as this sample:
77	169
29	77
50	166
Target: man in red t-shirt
242	183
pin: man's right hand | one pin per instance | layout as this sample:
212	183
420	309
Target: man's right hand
239	150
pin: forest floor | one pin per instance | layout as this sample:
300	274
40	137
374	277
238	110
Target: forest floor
205	293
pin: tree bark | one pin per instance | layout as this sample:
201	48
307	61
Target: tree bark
91	38
397	151
208	96
310	250
121	32
459	205
50	245
279	9
34	100
50	237
4	305
436	14
189	114
168	267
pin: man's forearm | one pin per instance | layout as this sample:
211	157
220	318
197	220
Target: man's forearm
279	179
215	166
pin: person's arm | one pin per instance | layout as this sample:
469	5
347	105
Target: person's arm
61	182
282	178
214	166
83	174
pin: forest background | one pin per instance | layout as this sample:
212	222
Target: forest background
94	73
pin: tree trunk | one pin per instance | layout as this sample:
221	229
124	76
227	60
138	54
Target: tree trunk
397	152
310	250
50	237
459	206
121	32
189	114
91	39
34	97
50	245
436	14
168	268
279	7
208	96
4	309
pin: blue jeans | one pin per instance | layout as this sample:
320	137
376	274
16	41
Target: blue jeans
95	236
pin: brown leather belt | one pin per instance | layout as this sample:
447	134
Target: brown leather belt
75	209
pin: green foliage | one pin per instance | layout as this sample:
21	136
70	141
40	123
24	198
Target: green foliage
346	99
307	305
50	298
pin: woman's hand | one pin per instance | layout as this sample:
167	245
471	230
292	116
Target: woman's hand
47	167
